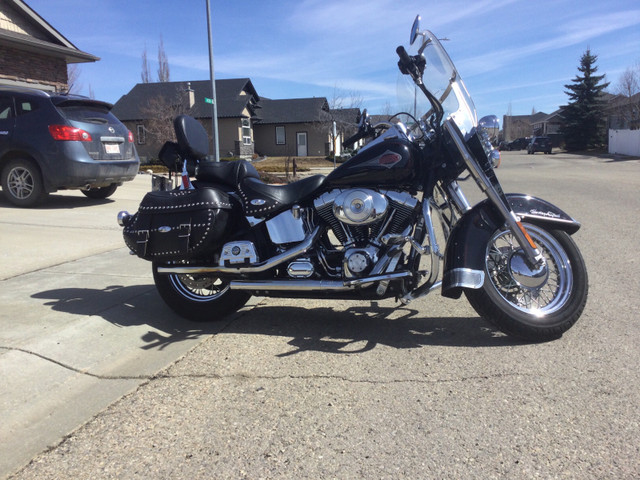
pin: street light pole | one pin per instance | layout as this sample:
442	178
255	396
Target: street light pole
214	117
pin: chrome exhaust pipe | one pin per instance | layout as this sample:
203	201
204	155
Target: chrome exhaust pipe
290	254
291	285
295	285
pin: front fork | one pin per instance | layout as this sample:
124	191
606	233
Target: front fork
530	249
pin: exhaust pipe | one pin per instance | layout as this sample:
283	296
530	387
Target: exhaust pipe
311	285
291	285
290	254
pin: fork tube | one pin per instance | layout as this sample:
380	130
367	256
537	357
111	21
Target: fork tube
524	240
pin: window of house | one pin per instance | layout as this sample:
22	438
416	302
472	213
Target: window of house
141	134
246	131
280	136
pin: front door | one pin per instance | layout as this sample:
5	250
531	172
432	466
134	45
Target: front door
301	142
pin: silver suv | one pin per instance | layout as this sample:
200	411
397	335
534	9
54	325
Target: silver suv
53	141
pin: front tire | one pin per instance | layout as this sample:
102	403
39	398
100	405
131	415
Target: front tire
532	304
200	298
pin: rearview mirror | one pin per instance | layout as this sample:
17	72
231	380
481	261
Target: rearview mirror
415	30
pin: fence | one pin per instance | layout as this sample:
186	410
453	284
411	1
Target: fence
624	142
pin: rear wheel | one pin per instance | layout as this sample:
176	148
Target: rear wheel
22	183
99	193
536	304
200	298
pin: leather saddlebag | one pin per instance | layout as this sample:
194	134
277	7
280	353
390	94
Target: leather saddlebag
179	224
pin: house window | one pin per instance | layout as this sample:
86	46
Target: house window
141	134
246	131
280	136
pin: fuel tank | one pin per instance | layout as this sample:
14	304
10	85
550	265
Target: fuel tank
390	163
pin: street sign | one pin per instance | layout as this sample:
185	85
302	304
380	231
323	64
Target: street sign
208	100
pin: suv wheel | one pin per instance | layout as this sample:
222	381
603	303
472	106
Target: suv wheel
22	183
101	192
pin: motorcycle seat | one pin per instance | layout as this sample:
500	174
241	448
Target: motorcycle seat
261	199
229	174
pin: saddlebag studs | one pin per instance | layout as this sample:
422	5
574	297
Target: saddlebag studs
159	230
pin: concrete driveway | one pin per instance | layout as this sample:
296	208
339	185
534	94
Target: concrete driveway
306	389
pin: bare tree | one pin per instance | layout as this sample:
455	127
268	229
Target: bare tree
628	88
344	108
160	112
145	75
73	74
163	63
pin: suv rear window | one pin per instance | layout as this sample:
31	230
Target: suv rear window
86	112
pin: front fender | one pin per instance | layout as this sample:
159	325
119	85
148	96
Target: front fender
466	248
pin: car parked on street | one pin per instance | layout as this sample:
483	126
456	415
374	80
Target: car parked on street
539	144
54	141
518	144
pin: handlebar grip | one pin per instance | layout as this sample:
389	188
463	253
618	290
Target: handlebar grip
353	139
404	56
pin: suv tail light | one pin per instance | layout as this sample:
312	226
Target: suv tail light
67	133
130	137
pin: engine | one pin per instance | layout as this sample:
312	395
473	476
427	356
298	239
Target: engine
359	218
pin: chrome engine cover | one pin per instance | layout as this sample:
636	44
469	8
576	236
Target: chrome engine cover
360	206
238	253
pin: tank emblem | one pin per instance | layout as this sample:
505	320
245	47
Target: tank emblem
388	159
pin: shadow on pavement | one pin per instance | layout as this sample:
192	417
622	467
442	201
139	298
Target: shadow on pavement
60	201
361	328
127	306
355	329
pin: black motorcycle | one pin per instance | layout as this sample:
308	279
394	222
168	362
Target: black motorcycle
366	230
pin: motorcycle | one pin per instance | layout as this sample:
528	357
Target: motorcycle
366	230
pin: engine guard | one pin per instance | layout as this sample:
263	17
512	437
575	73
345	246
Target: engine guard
466	247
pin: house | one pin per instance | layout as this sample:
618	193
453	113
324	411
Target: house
297	127
517	126
149	108
32	52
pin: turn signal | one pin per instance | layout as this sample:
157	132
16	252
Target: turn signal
67	133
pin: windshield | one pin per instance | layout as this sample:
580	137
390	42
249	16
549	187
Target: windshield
442	80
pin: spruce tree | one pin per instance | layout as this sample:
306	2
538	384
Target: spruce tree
584	121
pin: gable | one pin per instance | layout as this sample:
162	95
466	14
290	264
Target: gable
236	98
295	110
21	28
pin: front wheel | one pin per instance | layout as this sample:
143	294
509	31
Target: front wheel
200	298
535	304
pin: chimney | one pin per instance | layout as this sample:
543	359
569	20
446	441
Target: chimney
191	96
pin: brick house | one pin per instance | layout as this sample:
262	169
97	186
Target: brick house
32	52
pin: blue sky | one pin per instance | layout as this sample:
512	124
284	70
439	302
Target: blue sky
513	54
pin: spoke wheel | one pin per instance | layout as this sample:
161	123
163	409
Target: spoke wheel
200	298
535	303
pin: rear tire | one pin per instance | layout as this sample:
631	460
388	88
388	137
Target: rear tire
100	193
22	183
534	306
200	298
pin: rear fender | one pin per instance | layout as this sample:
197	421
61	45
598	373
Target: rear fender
466	247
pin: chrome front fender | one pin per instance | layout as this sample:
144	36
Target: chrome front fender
464	260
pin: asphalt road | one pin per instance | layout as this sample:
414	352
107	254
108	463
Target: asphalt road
105	382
